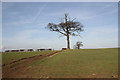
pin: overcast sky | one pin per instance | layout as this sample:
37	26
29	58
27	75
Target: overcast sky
24	24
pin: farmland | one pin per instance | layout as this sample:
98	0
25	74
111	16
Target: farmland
83	63
11	56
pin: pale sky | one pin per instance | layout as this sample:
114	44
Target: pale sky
24	24
60	0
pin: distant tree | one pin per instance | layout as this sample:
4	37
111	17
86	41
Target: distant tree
67	28
74	47
78	45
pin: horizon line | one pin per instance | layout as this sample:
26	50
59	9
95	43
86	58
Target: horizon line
61	48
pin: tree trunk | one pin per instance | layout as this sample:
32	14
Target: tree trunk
78	46
68	42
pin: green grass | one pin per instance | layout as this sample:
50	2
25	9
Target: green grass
11	56
80	63
101	63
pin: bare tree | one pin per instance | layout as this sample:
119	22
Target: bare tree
67	28
79	44
74	47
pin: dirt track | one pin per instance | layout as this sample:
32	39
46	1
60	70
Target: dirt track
47	55
21	63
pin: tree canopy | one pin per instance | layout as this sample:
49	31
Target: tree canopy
67	28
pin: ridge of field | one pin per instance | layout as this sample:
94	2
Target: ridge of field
12	56
83	63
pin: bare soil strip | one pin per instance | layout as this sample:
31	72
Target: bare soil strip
19	64
46	55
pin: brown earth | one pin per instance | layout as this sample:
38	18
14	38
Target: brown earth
8	70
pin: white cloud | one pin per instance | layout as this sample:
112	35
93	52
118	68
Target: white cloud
21	20
102	30
85	14
39	11
24	40
1	47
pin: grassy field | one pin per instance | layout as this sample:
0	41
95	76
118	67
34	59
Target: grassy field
11	56
84	63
